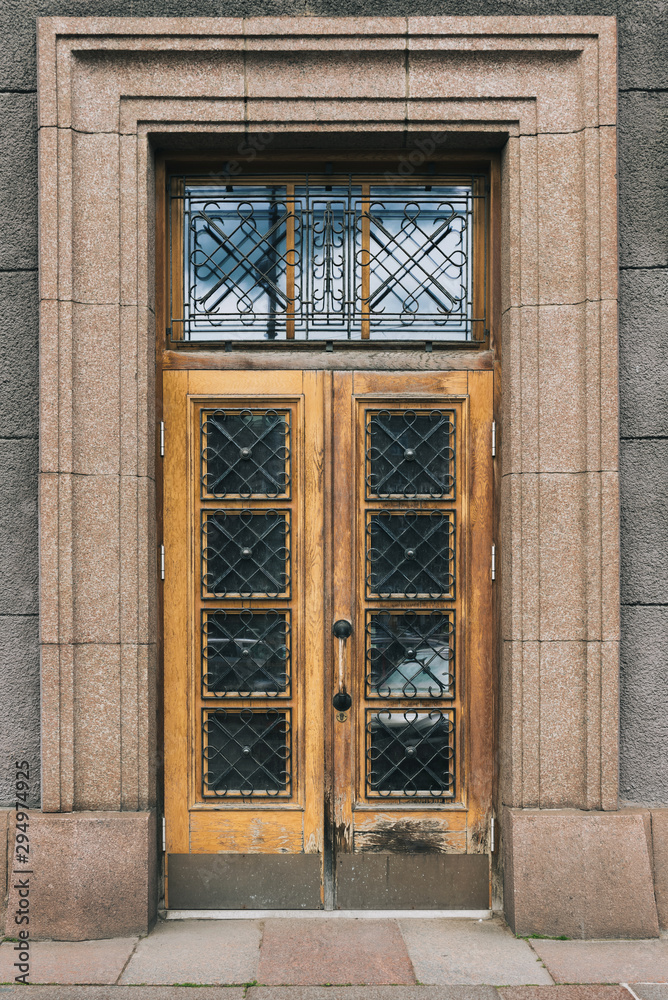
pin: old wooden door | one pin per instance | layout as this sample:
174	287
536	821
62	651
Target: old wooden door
328	648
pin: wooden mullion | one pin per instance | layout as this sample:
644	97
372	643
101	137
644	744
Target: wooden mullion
176	265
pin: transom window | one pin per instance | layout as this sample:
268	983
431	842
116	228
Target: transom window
309	259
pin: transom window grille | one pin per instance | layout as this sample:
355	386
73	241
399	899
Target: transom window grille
347	260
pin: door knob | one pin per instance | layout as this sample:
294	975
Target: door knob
342	630
342	701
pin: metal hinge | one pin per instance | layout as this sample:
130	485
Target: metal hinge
491	836
493	562
162	562
162	439
493	438
164	836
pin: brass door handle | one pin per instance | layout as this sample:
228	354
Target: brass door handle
342	629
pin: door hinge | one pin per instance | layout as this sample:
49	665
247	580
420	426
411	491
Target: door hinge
164	835
492	843
162	439
493	562
162	562
493	438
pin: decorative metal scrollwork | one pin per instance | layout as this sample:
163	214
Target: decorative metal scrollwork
410	554
245	453
410	654
410	453
246	753
410	754
326	261
245	552
245	653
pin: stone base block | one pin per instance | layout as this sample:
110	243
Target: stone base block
660	852
93	875
581	874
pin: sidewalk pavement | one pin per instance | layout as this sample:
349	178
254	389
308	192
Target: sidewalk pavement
339	959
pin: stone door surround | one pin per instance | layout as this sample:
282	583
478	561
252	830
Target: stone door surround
110	90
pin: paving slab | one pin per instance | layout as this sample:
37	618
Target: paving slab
339	952
68	962
375	993
565	993
199	952
650	991
119	993
470	952
605	961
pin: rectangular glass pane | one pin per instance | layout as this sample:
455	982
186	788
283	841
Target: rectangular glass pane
420	261
245	552
246	753
410	754
410	453
236	261
245	653
410	655
411	554
245	453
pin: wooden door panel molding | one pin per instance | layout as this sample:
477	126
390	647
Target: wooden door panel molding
471	709
355	440
202	817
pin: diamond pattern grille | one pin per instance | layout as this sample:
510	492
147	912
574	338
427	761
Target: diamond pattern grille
410	754
245	553
245	453
410	453
410	654
246	753
245	653
410	554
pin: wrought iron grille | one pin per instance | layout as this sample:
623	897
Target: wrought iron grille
246	753
410	554
245	653
410	654
313	261
245	453
410	453
410	754
245	553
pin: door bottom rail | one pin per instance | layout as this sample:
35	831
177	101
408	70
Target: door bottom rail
318	914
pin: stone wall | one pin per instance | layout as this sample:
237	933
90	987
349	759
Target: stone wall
643	155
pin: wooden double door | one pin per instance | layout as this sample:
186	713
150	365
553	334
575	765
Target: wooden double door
328	647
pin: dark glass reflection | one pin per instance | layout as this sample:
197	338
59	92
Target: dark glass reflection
245	652
410	453
245	552
245	453
410	554
410	655
410	753
246	752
